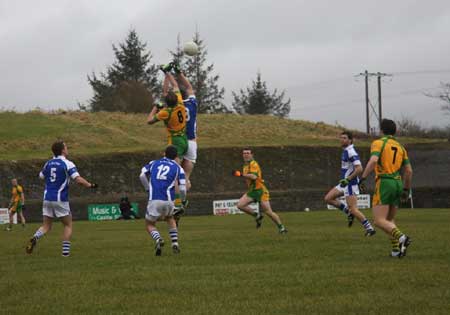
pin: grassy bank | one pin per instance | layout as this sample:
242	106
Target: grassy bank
30	135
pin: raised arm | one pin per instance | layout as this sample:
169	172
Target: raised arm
151	118
185	82
166	85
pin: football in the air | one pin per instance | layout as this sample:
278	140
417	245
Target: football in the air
190	48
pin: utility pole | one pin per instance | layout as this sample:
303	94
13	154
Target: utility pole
366	74
379	115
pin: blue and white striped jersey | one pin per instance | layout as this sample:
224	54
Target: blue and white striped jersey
162	175
57	173
191	117
349	160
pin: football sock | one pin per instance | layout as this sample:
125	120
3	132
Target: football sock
366	224
397	234
395	245
66	248
38	235
173	235
344	208
155	235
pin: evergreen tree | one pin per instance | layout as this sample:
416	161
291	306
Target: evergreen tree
258	100
130	83
207	91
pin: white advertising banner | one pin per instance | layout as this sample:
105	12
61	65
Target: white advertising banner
224	207
4	216
363	202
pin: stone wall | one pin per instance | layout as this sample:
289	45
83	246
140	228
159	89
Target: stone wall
297	177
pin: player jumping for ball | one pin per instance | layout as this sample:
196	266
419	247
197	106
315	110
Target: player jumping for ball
190	103
351	168
174	117
257	191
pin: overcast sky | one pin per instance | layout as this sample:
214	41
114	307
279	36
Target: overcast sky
312	49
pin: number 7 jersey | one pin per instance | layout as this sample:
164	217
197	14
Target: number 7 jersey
392	156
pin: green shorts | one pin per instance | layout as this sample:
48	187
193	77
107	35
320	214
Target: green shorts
259	195
16	207
388	191
181	143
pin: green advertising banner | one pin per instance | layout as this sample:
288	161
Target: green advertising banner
110	211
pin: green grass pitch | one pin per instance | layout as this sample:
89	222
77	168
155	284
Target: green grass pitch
228	267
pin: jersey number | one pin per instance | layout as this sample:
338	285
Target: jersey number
163	170
53	174
395	149
180	117
187	114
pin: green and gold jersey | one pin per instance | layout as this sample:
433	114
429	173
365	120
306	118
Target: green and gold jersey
392	156
252	167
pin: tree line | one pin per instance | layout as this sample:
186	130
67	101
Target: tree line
131	83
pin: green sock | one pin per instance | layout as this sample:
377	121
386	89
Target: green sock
395	245
396	233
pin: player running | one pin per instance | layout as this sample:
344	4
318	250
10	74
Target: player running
17	204
351	168
388	157
57	173
257	191
159	178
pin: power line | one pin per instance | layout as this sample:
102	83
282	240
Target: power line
419	72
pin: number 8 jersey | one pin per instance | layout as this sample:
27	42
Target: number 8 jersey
162	175
391	157
57	173
174	118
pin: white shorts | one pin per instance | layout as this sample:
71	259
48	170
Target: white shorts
191	154
157	209
57	209
349	190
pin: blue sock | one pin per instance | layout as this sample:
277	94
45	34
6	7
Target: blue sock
155	235
66	248
344	208
38	234
367	224
174	235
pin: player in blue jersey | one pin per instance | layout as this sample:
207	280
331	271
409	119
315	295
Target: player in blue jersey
57	174
190	103
159	178
351	168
